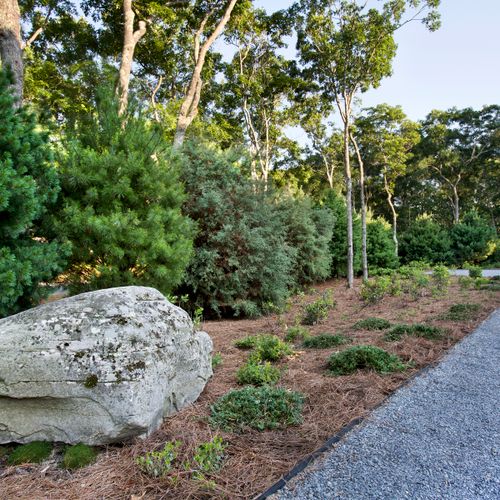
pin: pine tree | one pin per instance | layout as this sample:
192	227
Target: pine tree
28	187
121	203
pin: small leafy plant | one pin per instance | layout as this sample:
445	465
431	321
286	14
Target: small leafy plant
296	333
208	457
77	456
159	463
374	290
270	348
216	360
258	374
247	342
418	330
317	311
462	312
257	408
441	280
325	341
372	324
364	357
34	452
475	272
465	282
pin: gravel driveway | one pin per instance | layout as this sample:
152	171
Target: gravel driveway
436	438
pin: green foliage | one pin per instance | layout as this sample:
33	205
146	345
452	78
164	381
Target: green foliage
296	333
253	373
270	348
34	452
317	311
208	457
381	250
159	463
257	408
414	279
325	341
440	279
417	330
29	186
242	262
121	204
216	360
475	272
472	239
372	324
248	342
77	456
465	282
338	245
364	357
427	241
309	232
462	312
375	289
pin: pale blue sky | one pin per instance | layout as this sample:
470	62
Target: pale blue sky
459	65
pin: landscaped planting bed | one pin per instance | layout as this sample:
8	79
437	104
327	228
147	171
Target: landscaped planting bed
247	460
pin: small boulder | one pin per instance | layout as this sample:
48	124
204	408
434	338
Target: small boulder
98	368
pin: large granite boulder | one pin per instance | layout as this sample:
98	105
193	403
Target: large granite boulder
98	368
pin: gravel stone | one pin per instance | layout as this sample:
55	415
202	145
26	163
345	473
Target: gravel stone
436	438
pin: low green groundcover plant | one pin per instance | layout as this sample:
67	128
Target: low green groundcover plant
462	312
208	458
257	408
247	342
296	333
34	452
258	374
77	456
418	330
364	357
324	341
372	324
159	463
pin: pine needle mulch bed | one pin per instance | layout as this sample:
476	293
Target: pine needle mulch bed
255	460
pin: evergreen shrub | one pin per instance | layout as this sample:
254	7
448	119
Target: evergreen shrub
121	203
472	239
427	241
29	186
242	263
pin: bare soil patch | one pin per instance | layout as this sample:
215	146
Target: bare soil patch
255	460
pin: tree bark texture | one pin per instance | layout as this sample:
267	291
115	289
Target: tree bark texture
364	250
11	53
394	215
189	107
130	40
348	185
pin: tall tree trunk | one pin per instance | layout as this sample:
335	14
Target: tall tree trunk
189	107
394	215
130	39
348	185
11	53
364	251
456	205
